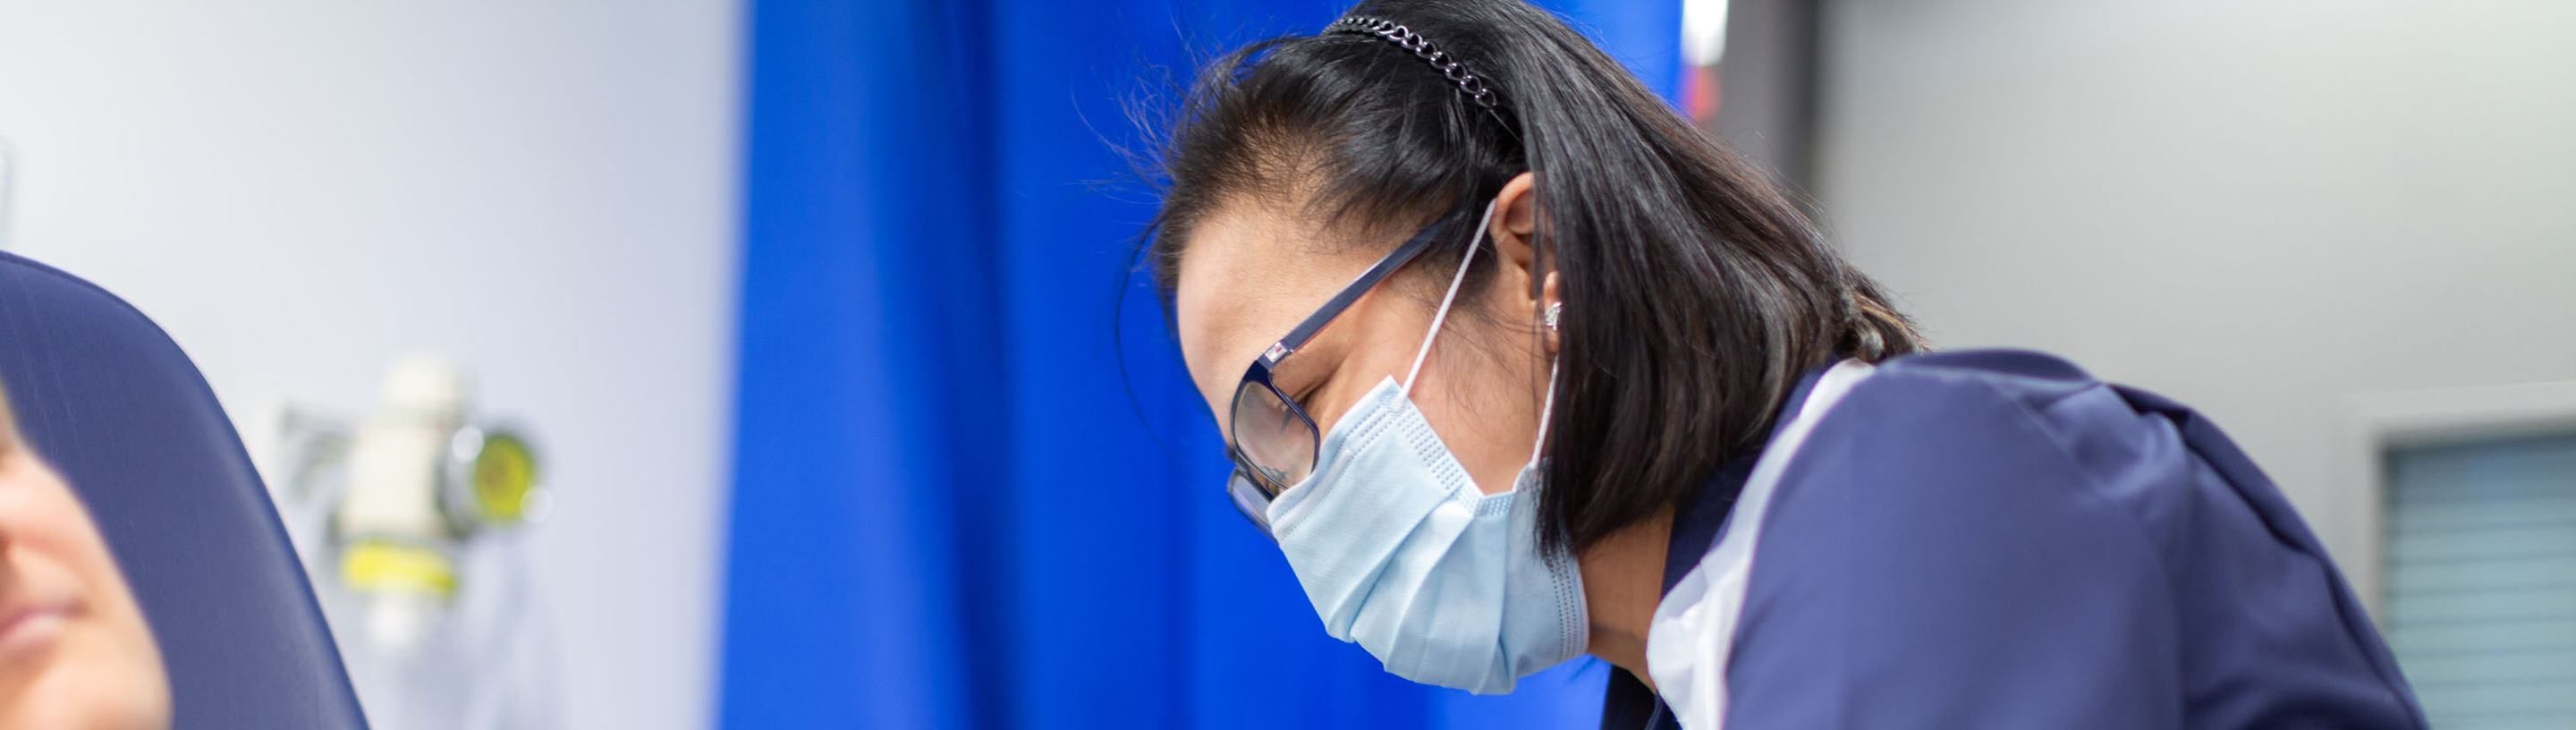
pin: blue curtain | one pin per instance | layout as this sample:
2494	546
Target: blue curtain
949	509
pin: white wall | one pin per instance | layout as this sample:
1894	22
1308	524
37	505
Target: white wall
299	190
2260	207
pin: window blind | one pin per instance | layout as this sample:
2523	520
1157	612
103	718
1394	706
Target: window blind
2481	558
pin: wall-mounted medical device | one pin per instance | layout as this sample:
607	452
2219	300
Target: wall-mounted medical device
412	520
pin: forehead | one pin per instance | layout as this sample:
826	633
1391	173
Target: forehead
1248	273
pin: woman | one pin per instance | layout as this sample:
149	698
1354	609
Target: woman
74	651
1556	370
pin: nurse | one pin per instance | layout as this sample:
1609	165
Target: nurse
1515	366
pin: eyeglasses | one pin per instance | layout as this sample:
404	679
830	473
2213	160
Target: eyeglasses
1273	442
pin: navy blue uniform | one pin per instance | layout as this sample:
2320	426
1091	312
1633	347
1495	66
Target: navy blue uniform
1995	539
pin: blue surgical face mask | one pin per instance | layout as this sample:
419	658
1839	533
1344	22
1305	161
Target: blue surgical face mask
1403	554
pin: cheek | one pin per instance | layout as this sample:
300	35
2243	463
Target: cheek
47	531
107	673
1484	408
36	507
1363	350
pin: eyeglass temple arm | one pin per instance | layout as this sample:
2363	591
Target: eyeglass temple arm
1366	281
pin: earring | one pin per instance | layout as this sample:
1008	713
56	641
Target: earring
1554	309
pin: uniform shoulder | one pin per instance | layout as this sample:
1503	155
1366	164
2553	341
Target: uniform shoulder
1951	412
1935	550
1997	429
2028	376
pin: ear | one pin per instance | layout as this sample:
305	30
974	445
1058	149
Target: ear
1515	221
1532	283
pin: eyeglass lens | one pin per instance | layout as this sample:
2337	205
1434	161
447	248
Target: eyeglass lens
1277	441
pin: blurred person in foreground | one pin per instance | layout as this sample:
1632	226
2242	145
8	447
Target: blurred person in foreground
75	653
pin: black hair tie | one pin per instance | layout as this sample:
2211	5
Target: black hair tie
1406	39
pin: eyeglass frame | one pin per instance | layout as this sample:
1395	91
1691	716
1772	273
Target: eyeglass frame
1251	492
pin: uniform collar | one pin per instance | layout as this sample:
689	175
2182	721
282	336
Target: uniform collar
1700	520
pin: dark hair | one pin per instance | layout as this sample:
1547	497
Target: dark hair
1695	292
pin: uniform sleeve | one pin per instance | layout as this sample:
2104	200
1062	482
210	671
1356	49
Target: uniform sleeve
1936	558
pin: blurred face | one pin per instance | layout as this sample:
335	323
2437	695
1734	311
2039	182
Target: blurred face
74	651
1251	271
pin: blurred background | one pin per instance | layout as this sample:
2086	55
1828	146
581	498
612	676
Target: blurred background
849	410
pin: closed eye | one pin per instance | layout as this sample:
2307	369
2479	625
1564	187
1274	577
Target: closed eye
1306	398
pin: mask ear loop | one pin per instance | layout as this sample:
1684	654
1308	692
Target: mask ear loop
1443	313
1546	408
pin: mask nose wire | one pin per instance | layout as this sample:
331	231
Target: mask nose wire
1446	299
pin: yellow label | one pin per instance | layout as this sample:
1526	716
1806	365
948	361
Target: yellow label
371	566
